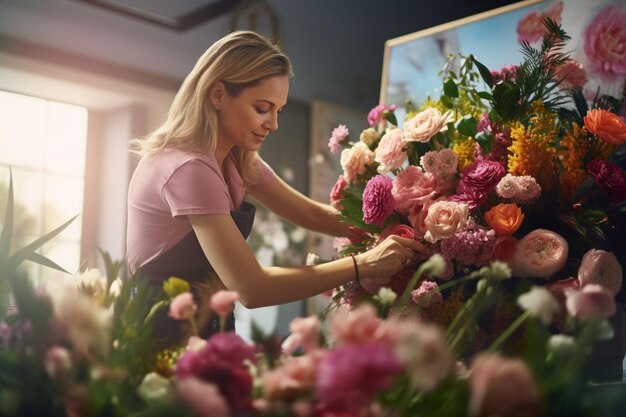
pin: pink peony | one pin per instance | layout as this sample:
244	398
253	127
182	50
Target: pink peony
444	219
482	175
448	161
378	201
602	268
501	386
610	177
507	73
375	116
294	378
340	133
426	124
183	306
571	75
390	153
304	333
356	326
202	397
591	302
222	362
604	40
541	253
355	160
530	28
528	188
223	302
336	193
427	294
350	377
413	186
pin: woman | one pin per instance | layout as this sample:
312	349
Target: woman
186	214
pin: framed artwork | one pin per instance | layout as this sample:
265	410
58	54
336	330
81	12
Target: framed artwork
412	63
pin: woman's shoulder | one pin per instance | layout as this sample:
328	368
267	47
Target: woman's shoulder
172	159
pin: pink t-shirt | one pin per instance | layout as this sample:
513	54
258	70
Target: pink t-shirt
164	189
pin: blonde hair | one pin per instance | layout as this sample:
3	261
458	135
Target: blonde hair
239	60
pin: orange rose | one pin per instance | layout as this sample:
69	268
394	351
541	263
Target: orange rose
607	126
504	219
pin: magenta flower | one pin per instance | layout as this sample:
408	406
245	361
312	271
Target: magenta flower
375	116
222	362
472	246
336	193
340	133
427	294
506	73
610	177
604	39
378	202
349	377
481	175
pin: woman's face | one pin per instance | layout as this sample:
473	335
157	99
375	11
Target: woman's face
245	120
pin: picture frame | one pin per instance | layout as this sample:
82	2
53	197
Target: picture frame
407	73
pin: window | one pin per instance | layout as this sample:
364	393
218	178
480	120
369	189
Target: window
44	143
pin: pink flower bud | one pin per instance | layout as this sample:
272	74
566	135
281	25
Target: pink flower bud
223	302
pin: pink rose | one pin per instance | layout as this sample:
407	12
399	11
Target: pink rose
482	175
304	333
336	194
531	28
602	268
378	201
355	160
203	398
390	153
591	302
571	75
444	219
541	253
223	302
501	386
340	133
417	216
183	306
426	124
396	229
604	41
355	327
413	186
504	248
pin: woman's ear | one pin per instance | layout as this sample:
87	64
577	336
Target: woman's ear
216	94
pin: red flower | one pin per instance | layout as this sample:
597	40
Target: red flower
610	177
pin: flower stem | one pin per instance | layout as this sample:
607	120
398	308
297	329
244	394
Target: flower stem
509	331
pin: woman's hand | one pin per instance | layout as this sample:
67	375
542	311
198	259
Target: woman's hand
389	257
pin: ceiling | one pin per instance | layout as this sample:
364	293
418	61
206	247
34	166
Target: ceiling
336	46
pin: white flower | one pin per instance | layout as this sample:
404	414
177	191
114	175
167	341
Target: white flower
297	235
386	296
369	136
154	388
435	265
498	271
312	259
562	345
539	303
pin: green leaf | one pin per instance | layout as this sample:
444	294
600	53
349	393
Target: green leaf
506	100
484	72
486	95
467	125
7	226
485	140
42	260
390	117
446	101
24	253
450	89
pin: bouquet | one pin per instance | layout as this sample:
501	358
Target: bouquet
516	166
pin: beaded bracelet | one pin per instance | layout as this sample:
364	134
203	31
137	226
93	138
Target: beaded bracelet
356	270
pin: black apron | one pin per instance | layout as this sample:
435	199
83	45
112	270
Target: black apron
187	261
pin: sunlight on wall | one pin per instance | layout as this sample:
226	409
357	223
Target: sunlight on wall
44	143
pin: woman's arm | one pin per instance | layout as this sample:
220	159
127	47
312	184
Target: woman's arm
301	210
235	264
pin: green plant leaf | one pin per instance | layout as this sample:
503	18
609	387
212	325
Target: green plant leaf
390	117
506	100
485	94
467	125
42	260
485	140
24	253
447	101
484	71
7	226
450	89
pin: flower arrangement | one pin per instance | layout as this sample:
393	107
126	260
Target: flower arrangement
517	166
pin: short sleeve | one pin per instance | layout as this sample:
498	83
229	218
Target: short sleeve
196	187
266	177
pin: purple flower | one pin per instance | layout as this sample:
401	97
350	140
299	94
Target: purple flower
473	246
473	198
378	201
610	177
349	377
502	140
339	134
221	362
481	175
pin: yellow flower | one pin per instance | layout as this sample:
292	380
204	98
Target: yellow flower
175	286
573	152
465	152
